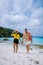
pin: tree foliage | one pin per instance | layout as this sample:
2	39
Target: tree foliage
5	32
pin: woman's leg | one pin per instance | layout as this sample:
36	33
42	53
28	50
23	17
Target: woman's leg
16	48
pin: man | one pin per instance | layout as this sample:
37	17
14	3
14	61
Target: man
27	38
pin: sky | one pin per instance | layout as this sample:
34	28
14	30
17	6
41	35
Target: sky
21	14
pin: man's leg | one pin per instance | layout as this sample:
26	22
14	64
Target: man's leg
28	47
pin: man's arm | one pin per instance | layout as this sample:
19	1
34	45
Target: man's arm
31	37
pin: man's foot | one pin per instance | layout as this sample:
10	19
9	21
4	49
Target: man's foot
14	51
28	52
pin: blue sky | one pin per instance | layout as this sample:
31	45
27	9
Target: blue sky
21	14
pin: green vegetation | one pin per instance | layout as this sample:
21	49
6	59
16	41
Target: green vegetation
5	32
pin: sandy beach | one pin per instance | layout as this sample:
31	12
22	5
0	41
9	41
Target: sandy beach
8	57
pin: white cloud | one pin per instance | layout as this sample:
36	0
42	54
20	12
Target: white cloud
34	22
17	17
3	6
38	13
21	14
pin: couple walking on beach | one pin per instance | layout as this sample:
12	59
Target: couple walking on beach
26	39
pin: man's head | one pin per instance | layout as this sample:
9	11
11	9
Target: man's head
25	30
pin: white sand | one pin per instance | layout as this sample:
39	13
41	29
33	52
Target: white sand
8	57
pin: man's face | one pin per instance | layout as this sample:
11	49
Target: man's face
25	31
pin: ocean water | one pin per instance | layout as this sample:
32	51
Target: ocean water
35	40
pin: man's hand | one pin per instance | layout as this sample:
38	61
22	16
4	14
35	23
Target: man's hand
21	42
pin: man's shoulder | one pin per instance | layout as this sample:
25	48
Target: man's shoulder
28	32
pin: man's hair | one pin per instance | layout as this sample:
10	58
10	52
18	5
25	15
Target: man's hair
26	29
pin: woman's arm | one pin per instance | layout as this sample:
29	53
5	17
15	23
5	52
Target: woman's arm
23	38
12	34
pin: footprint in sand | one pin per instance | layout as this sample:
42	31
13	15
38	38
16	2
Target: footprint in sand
36	62
30	59
14	62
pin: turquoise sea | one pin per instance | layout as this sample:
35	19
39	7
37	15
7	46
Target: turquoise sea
35	40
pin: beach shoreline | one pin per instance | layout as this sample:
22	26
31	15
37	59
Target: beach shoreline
38	46
33	45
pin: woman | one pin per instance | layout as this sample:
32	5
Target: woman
16	40
27	39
